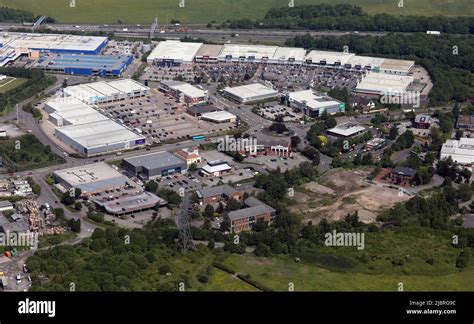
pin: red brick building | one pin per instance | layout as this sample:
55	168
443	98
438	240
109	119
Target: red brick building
210	195
402	176
246	218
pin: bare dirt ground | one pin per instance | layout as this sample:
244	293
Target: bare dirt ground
341	192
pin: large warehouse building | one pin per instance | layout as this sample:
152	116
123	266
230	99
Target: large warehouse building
104	92
384	84
65	111
173	52
99	137
13	45
247	53
314	103
460	151
350	61
55	43
154	165
250	93
86	130
88	65
90	179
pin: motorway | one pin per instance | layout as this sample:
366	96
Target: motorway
191	30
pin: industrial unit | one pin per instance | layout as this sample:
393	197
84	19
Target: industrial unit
88	65
105	92
185	92
71	111
250	93
86	130
90	179
380	84
314	104
460	151
99	137
173	52
130	204
154	165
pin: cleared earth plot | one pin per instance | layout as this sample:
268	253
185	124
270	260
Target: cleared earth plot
204	11
341	192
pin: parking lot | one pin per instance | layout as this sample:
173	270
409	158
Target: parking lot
271	111
337	78
289	77
274	162
156	73
226	72
160	118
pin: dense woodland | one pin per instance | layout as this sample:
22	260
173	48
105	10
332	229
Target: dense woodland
348	17
15	15
449	59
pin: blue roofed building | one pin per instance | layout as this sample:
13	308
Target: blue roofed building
87	65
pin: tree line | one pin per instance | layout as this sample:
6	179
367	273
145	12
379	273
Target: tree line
37	82
349	17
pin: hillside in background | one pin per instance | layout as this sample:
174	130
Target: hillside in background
204	11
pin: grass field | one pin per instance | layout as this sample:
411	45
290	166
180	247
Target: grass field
10	83
204	11
277	273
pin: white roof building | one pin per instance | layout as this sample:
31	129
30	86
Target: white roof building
244	52
328	58
102	92
288	55
221	116
174	51
315	102
215	168
90	178
346	130
250	92
189	90
461	151
384	84
55	42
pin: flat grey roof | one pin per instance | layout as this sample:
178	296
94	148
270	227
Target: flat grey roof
155	160
206	192
131	203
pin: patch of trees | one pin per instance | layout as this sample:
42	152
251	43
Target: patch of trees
349	17
447	58
27	153
172	197
15	15
37	82
434	211
404	141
